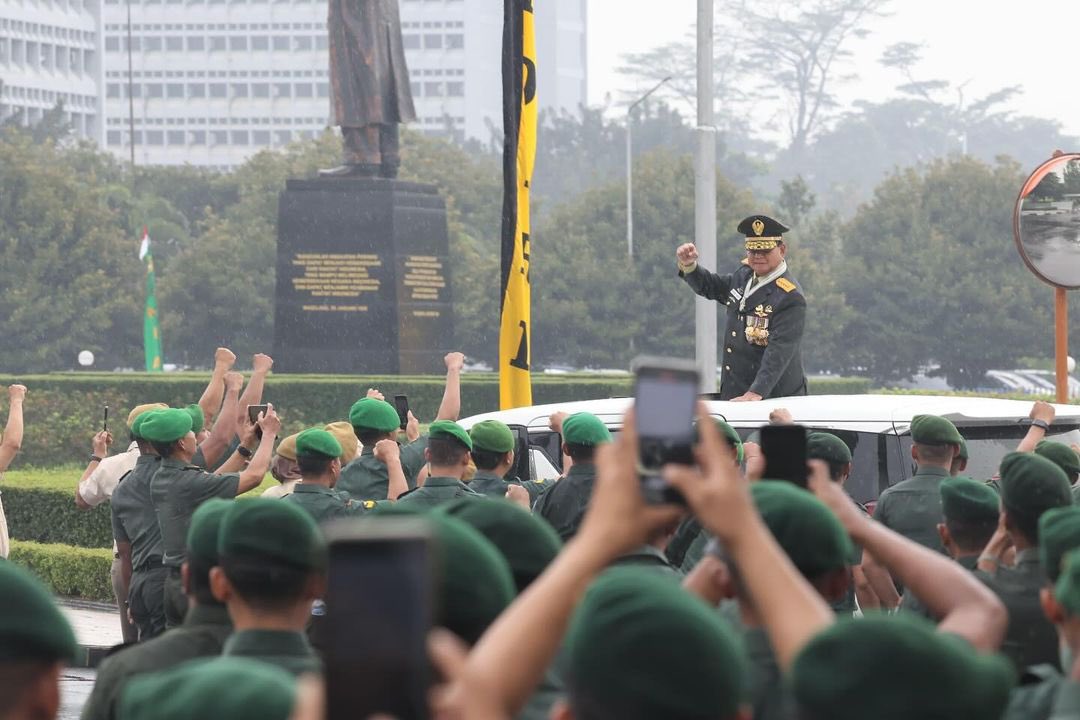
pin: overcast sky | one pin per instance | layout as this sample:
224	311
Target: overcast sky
990	44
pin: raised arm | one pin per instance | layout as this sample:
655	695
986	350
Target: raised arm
967	607
252	476
450	407
260	368
210	402
99	446
389	454
225	425
701	281
1041	412
13	431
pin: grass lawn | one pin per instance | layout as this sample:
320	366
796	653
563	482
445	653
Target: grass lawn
65	477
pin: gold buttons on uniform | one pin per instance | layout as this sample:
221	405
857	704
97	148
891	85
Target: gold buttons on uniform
729	349
727	367
732	333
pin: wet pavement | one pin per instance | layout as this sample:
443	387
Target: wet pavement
96	625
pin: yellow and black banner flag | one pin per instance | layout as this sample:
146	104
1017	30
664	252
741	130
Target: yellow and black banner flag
519	153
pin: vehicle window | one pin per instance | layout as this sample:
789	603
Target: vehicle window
988	445
541	467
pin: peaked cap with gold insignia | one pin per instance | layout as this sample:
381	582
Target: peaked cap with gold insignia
762	232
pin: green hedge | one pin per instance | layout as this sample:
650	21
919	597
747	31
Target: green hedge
46	515
68	571
840	386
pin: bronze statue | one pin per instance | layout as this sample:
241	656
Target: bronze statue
369	84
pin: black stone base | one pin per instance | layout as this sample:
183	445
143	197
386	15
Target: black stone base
362	278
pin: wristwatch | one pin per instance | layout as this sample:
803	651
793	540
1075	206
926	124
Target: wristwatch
95	458
1041	424
244	452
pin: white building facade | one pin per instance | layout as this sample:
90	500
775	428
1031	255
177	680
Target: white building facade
51	52
214	81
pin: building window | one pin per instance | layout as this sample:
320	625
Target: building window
198	137
260	42
138	138
323	89
174	43
260	137
174	90
260	90
196	90
196	43
113	137
282	90
433	89
322	42
238	42
112	90
302	42
112	44
219	90
282	137
136	44
217	43
219	137
281	42
152	44
432	42
239	90
303	90
410	41
455	41
239	137
176	137
455	89
155	90
155	137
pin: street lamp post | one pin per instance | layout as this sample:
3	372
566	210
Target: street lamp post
630	170
705	196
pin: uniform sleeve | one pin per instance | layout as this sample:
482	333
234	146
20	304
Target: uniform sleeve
1067	702
208	485
881	510
708	284
118	530
785	335
412	459
93	489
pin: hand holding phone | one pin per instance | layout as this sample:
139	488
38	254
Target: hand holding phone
784	448
665	395
253	412
401	404
105	422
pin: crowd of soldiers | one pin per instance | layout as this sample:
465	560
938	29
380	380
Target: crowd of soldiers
959	598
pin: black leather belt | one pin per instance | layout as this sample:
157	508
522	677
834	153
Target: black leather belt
151	563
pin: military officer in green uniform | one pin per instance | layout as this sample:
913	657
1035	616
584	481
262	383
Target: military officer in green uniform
138	538
178	488
1030	486
912	507
447	453
318	455
203	633
766	312
493	455
564	505
1039	686
271	569
369	476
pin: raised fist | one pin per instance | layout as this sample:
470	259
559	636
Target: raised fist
224	356
262	363
16	393
686	254
454	361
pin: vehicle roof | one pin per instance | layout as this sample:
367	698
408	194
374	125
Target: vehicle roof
870	412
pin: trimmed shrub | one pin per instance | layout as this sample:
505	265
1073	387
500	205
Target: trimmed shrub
68	571
840	385
45	515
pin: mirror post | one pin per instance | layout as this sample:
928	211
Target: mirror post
1061	343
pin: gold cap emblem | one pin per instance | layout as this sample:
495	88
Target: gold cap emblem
758	227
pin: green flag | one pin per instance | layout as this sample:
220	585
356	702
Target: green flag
151	328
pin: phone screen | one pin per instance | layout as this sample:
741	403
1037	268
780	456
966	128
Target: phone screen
105	420
254	411
664	400
784	448
378	614
401	404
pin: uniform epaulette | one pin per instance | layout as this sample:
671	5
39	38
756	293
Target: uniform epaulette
745	261
785	284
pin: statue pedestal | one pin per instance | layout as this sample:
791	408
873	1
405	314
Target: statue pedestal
362	278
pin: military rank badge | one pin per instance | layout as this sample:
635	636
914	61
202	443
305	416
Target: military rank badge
757	326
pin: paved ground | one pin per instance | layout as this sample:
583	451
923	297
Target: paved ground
96	625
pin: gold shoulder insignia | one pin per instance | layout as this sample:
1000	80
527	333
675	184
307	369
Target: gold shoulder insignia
745	261
369	504
785	284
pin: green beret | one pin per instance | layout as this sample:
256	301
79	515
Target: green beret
31	626
584	428
202	537
641	646
477	584
198	420
944	677
1061	455
826	446
165	426
934	430
318	441
732	438
373	414
278	531
221	688
963	454
1031	485
1059	534
450	430
1067	588
803	526
967	501
493	436
526	542
136	426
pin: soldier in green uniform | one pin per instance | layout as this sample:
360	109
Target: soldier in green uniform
218	689
563	506
203	633
766	312
912	507
1067	596
318	454
819	548
178	488
447	453
1065	458
36	642
1030	486
272	565
138	539
970	512
493	455
1034	696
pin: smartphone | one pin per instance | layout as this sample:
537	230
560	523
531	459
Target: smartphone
665	395
401	404
254	411
379	608
105	421
784	448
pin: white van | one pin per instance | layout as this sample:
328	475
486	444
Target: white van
876	427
